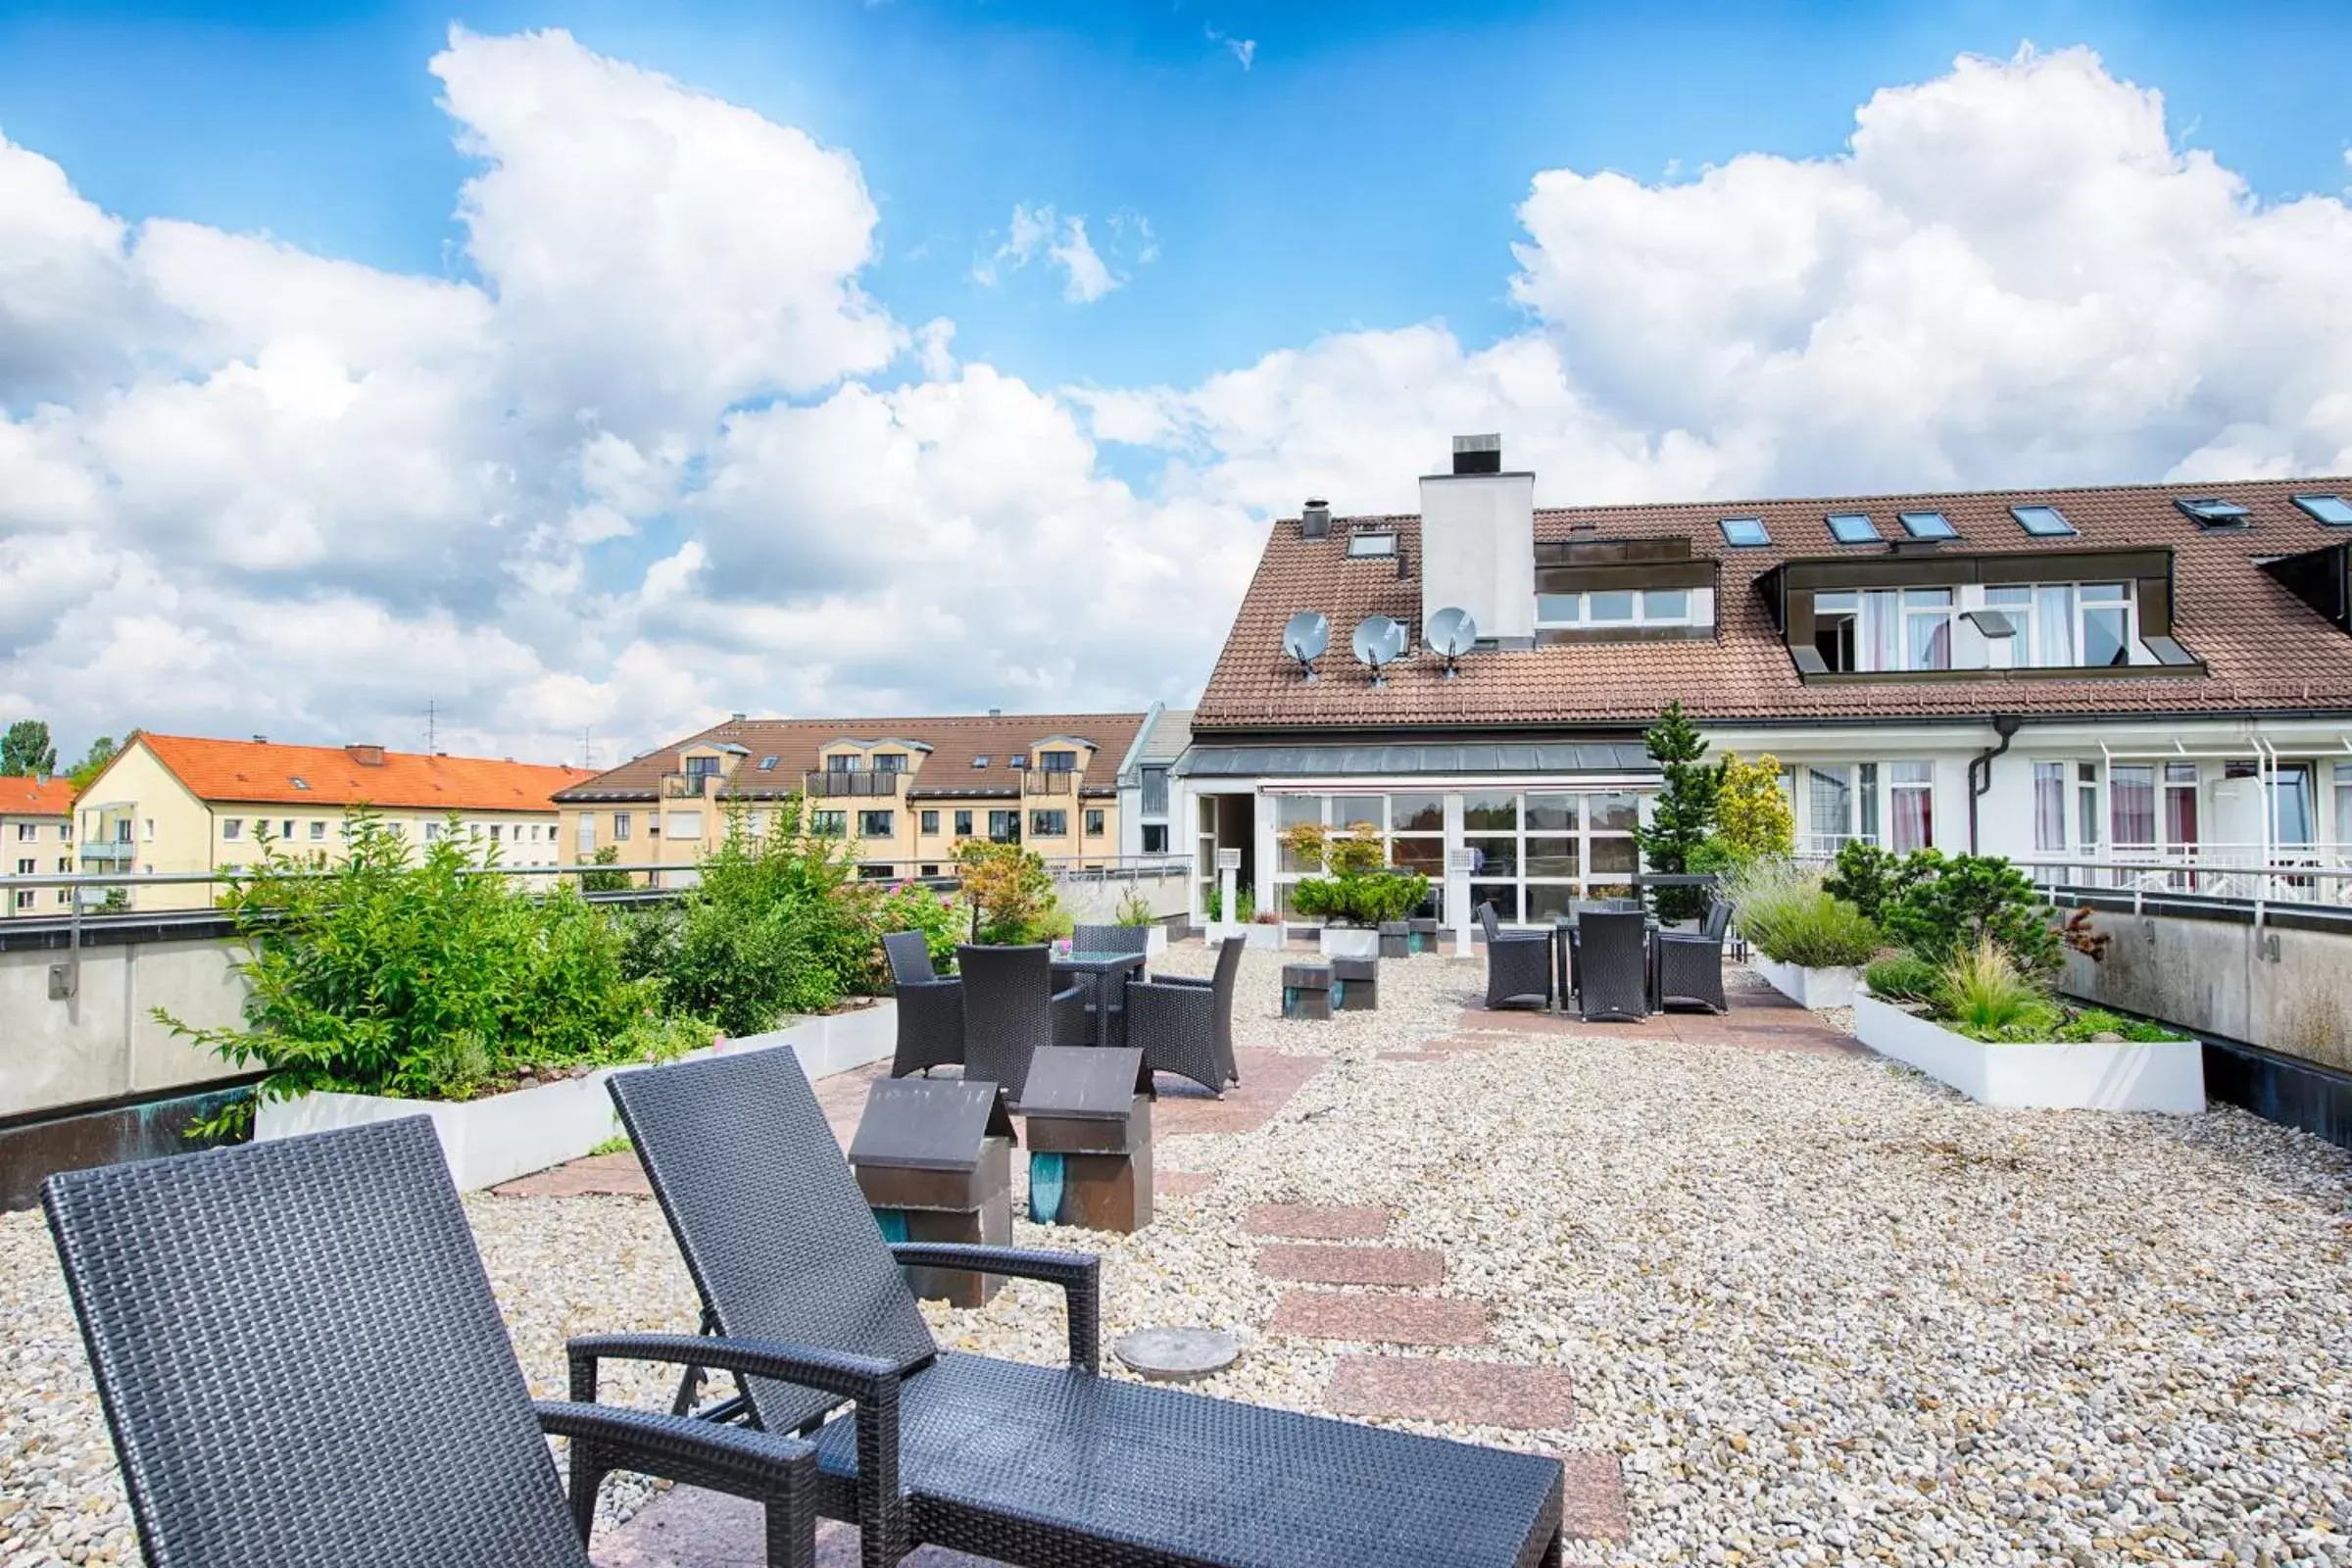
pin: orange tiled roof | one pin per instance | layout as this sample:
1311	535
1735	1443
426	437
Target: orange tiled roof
261	771
2264	649
24	797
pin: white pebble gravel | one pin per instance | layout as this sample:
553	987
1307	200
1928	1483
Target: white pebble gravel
1823	1310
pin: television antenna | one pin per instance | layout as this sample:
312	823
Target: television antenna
1378	641
1451	633
1305	636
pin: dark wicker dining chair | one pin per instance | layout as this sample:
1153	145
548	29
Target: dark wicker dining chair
1015	1462
1104	990
1518	962
301	1362
1691	963
1185	1025
1612	965
930	1008
1011	1008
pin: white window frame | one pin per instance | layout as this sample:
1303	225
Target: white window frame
1698	609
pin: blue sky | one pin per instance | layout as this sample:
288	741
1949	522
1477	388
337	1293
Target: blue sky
1363	171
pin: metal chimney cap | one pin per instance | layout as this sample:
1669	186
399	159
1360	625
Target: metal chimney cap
1478	453
1492	442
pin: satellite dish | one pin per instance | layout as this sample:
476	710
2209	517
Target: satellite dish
1378	641
1305	636
1453	633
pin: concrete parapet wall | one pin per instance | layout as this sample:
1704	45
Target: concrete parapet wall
102	1042
2285	989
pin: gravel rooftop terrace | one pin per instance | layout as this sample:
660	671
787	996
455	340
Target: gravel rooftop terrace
1771	1297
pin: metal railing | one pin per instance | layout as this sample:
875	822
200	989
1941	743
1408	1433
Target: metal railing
842	782
2240	874
1048	781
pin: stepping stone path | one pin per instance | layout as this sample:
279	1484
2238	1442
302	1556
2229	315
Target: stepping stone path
1444	1389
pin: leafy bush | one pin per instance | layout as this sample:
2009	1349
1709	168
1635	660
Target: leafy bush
1941	906
1819	933
1866	877
1754	819
1903	977
603	881
1983	994
912	906
1009	894
1360	889
420	980
1135	909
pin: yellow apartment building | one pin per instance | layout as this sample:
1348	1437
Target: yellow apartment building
36	835
180	804
902	792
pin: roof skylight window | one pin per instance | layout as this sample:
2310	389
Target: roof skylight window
1927	526
2043	522
2333	511
299	781
1744	533
767	764
980	760
1366	543
1852	528
2211	513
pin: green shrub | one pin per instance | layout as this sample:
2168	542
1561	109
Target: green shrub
418	980
603	881
1983	994
1135	909
1819	933
1764	893
1940	906
913	906
1903	977
1866	877
1361	889
1009	894
2089	1024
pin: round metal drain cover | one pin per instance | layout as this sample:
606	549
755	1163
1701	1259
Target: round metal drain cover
1177	1356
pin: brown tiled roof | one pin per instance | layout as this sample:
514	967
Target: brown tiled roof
260	771
24	797
2264	649
946	771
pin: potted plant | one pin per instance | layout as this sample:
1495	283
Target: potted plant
1983	1024
1358	891
1807	944
1134	910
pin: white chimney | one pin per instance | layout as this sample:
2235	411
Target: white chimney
1477	542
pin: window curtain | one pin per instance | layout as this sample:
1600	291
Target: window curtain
1911	802
2131	805
2054	626
2050	805
1833	806
1879	637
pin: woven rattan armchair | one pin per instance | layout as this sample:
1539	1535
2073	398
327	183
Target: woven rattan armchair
1611	958
1011	1008
1185	1026
1048	1466
930	1008
301	1362
1518	964
1691	963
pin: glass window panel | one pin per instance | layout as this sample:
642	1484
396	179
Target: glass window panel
1927	526
1743	532
1614	605
1833	803
1666	603
1911	772
1931	642
1551	814
2103	593
1425	855
1547	901
1927	597
1417	813
2333	511
2291	790
1490	812
1493	857
1552	856
2343	802
1291	810
2043	522
2054	626
2009	598
1504	896
1290	862
1866	800
1615	813
1852	527
1847	600
1357	811
2050	805
1563	610
2105	639
1614	856
2132	804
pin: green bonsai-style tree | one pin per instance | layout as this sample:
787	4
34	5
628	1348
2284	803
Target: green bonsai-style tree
1358	887
1008	891
1683	815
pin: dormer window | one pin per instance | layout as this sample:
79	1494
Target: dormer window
890	762
698	768
1626	608
1057	761
1371	544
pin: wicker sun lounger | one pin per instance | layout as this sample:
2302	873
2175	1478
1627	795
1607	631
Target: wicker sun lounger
1056	1467
301	1364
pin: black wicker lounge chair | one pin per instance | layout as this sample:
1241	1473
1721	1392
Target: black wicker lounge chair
930	1008
301	1362
1185	1025
1053	1467
1104	988
1611	958
1011	1008
1518	964
1691	963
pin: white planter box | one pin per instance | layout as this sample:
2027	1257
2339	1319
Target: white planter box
497	1139
1216	931
1807	988
2133	1075
1349	941
1268	938
1155	940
